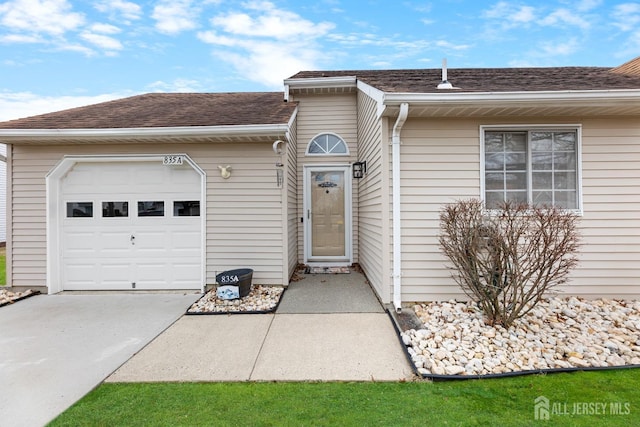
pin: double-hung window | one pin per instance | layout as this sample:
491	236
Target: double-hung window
534	166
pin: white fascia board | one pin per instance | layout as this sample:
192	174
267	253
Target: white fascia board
182	131
321	82
376	94
452	97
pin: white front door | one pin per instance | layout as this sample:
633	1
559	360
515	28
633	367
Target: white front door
131	225
328	215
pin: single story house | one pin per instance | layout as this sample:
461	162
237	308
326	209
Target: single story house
164	191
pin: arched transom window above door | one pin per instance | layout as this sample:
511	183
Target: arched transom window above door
327	144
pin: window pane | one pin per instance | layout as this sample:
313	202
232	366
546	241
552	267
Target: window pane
516	161
493	142
336	145
79	209
516	180
493	199
515	142
541	141
186	208
542	180
115	209
564	180
564	161
316	148
566	199
542	198
517	196
542	161
564	141
494	181
494	162
151	208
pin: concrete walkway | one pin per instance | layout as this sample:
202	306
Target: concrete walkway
56	348
327	328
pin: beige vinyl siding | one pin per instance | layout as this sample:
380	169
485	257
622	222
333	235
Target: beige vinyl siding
610	252
327	114
291	184
244	213
373	201
441	164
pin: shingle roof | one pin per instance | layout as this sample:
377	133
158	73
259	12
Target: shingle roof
489	79
168	110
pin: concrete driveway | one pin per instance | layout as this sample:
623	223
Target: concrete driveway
56	348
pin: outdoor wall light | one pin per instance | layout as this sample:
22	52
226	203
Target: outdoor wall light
359	169
225	171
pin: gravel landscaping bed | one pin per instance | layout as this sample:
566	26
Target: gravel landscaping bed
559	333
8	297
261	299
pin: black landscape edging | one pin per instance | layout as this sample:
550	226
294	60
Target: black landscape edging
435	377
213	313
13	301
404	347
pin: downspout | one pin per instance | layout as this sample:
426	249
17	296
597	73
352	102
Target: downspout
396	220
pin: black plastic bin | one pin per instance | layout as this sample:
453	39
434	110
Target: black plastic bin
240	277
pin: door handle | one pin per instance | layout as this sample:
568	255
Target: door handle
308	213
132	239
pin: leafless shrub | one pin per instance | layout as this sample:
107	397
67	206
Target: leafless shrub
507	259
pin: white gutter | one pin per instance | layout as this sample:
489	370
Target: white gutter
226	130
396	220
455	97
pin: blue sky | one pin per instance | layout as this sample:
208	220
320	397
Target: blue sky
57	54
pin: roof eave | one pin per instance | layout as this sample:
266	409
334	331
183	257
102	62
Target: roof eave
237	131
453	97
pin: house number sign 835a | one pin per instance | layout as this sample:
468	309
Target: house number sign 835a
172	160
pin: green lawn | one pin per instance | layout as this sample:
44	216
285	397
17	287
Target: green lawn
491	402
3	267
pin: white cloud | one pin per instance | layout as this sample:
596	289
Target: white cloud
21	38
106	43
269	22
559	48
586	5
54	17
564	17
178	85
266	44
512	15
174	16
626	16
128	10
15	105
105	29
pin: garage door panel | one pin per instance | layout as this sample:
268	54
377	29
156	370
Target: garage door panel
80	243
112	252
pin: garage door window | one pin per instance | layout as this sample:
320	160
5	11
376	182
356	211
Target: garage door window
115	209
186	208
79	209
155	208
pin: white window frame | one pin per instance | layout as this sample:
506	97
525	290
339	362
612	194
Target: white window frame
534	128
346	146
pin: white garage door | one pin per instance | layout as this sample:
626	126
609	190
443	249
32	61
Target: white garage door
131	225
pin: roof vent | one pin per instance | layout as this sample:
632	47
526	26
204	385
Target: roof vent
445	83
